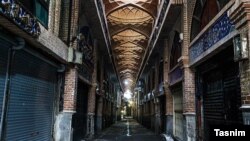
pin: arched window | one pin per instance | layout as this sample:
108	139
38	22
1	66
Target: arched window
204	12
175	51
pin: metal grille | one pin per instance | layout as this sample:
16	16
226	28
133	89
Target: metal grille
32	91
178	110
213	97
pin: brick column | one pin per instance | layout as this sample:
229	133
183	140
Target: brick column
57	17
54	16
157	104
70	89
64	24
51	16
239	15
99	115
92	96
63	129
189	81
169	97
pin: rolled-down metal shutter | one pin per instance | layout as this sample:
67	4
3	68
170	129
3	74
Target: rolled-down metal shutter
178	113
4	50
32	91
213	102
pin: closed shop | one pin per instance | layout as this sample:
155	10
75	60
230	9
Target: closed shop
80	117
178	112
220	91
31	93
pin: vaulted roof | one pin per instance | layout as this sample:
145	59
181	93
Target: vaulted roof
130	24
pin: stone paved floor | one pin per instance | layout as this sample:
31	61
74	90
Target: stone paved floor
118	132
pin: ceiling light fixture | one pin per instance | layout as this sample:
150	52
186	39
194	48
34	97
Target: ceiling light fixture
128	94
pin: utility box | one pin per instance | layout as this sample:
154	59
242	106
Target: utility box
74	56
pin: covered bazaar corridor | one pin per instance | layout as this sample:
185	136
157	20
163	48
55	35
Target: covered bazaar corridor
96	70
128	130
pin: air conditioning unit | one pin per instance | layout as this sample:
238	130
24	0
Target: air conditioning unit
74	56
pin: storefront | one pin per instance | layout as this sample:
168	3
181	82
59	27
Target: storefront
219	93
80	117
178	118
28	91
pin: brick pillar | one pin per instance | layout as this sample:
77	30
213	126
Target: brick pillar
54	16
63	124
99	115
92	96
63	129
70	90
239	15
157	104
169	97
57	17
64	24
51	16
188	82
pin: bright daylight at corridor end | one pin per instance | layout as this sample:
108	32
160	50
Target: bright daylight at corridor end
124	70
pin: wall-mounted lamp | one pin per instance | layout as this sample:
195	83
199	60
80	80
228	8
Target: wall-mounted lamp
97	89
181	37
240	47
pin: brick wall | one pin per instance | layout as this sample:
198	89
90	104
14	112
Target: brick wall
57	18
53	45
71	76
245	72
189	81
238	15
190	10
64	25
169	98
92	92
54	16
74	21
189	91
70	89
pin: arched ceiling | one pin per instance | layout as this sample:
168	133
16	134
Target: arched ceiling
130	24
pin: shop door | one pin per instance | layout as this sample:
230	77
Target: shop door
31	99
80	117
162	113
221	97
178	113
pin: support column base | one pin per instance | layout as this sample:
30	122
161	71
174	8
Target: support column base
246	114
63	127
90	126
190	127
169	125
98	124
158	124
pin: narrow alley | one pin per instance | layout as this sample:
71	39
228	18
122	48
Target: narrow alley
128	130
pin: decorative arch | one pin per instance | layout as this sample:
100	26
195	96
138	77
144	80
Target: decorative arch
209	8
135	30
176	50
132	5
129	28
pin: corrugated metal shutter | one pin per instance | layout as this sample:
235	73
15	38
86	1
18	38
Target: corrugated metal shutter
4	49
32	91
213	97
178	113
